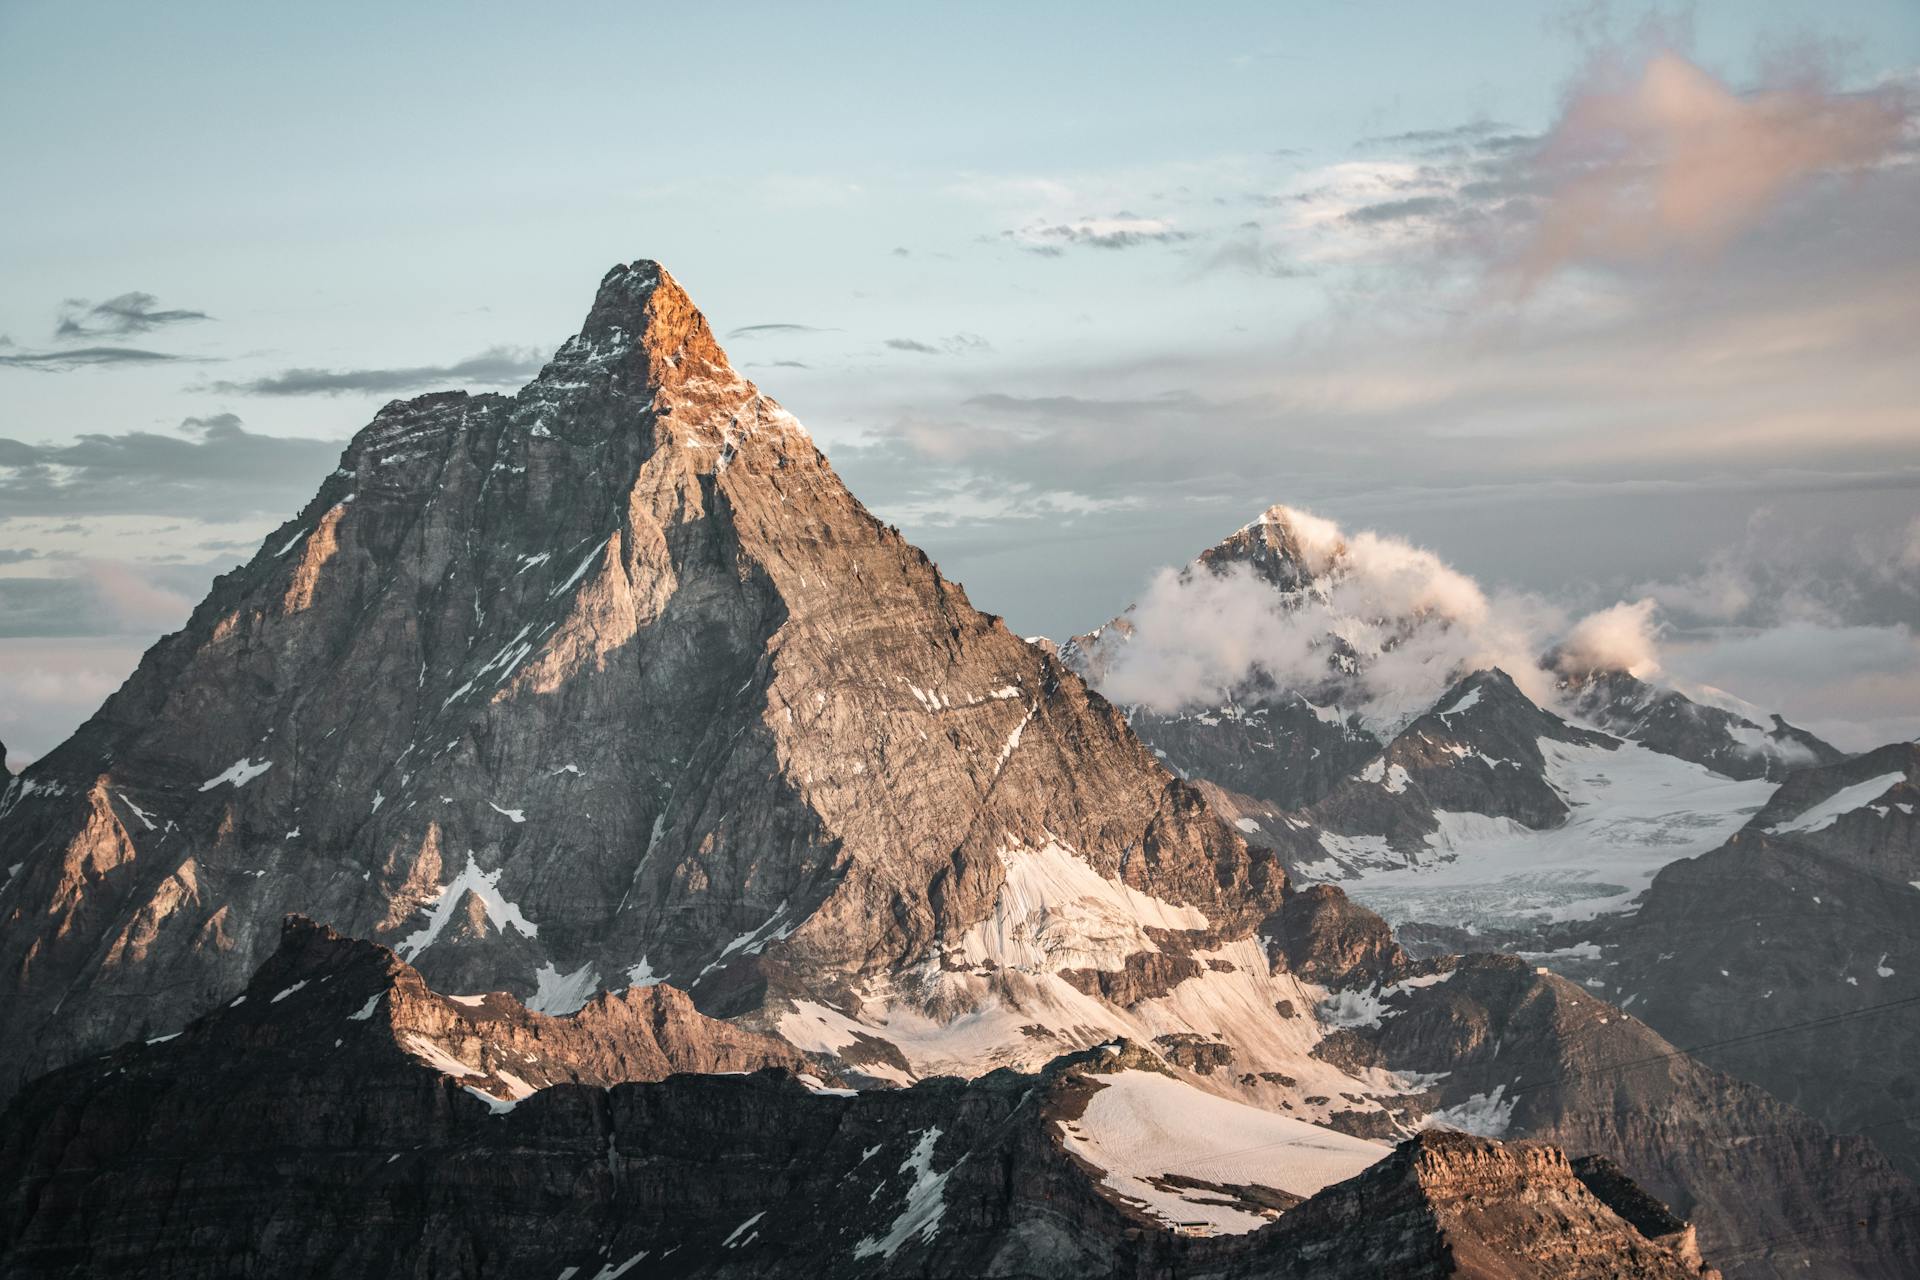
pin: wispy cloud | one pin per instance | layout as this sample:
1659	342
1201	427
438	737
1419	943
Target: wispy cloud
771	330
1122	231
495	367
71	358
952	345
117	317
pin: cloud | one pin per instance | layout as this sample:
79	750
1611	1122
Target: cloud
1857	686
1784	570
1622	637
496	366
1668	158
49	686
1247	251
214	465
1401	210
1124	231
1406	623
98	598
1443	141
765	330
64	361
955	344
117	317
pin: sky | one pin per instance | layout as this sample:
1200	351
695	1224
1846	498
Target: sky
1599	303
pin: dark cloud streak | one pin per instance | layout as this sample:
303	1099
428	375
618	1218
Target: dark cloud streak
226	469
496	366
85	358
129	313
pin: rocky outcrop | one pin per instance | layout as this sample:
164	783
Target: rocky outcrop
1478	751
1441	1205
1667	721
490	1043
1791	955
287	1134
1512	1050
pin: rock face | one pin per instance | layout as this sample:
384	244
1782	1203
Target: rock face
490	1044
608	681
1792	953
1666	720
1526	1052
311	1140
1441	1206
1478	751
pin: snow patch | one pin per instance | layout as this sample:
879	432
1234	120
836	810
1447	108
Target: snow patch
482	885
1484	1115
733	1240
1839	804
1143	1126
1056	912
437	1057
238	774
1366	1008
926	1202
560	994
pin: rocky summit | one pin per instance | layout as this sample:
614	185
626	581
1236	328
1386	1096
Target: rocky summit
584	838
606	683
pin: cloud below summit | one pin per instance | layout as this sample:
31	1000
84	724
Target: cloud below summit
495	367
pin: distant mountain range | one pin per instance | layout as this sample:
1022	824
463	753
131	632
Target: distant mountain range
1718	871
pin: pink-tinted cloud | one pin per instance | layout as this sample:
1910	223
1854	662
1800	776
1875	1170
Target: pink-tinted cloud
1670	158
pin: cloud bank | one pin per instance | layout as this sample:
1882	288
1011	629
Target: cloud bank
1384	627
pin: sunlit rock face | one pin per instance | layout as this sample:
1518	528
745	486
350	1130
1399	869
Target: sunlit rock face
607	682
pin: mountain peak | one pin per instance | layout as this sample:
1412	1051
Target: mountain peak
1284	545
641	309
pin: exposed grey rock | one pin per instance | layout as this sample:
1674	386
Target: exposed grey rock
609	677
1477	751
1792	954
287	1134
1667	721
1520	1051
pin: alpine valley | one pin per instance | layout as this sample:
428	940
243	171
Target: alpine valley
584	842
